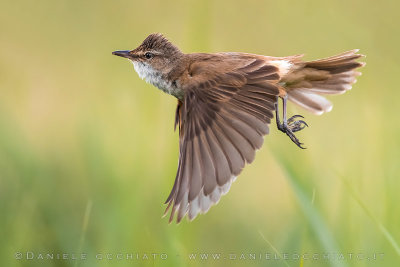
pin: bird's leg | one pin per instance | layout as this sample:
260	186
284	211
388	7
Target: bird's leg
291	125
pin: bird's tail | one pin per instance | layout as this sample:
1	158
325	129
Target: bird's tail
309	81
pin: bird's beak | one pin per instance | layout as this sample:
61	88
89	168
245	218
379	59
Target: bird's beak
122	53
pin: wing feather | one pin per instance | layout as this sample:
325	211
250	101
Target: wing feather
222	121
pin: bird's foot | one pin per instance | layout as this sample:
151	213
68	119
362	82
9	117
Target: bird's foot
291	126
296	125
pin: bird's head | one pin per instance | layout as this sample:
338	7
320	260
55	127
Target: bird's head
155	52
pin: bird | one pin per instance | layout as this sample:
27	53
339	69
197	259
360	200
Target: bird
226	102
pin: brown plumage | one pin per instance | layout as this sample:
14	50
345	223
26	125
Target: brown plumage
225	104
309	80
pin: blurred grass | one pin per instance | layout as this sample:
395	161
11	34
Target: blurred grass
306	201
379	225
78	126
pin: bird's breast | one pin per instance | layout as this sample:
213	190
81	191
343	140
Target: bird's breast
157	79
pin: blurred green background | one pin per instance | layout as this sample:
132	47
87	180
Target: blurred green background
88	153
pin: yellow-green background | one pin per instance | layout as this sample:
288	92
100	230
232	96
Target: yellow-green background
88	153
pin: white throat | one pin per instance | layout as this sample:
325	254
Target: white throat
154	77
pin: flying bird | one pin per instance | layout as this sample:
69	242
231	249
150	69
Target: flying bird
226	102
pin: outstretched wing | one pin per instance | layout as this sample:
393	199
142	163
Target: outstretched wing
222	122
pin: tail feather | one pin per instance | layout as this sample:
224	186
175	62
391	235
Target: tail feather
309	80
315	103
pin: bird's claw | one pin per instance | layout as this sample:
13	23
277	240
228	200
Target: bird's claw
291	119
298	125
292	126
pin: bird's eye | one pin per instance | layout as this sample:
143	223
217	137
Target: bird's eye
148	55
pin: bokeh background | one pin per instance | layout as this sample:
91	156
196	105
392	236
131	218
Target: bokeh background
88	153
